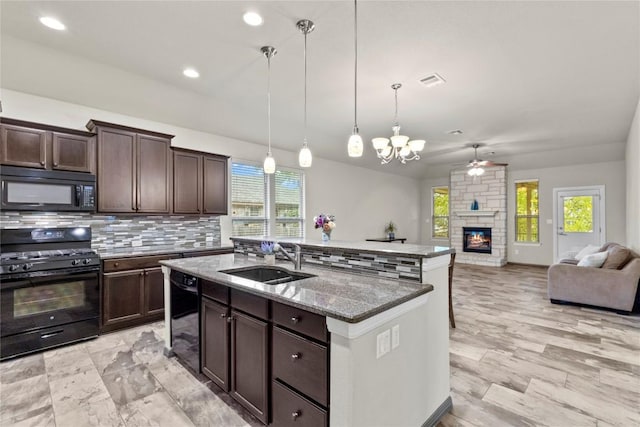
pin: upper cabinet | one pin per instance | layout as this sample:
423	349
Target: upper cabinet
134	169
199	183
42	146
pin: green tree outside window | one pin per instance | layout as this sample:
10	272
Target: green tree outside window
527	216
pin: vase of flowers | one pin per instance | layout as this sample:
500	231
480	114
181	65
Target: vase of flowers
268	251
326	223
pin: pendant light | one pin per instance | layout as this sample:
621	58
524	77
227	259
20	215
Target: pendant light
304	158
355	146
269	162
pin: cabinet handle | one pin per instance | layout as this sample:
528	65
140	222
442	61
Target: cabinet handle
146	273
229	319
296	356
223	315
295	319
55	164
115	264
42	162
296	414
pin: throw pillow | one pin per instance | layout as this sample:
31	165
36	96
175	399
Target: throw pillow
594	260
618	257
588	250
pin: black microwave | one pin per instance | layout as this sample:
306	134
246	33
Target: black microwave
27	189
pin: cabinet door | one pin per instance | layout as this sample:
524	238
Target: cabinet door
215	185
21	146
123	297
187	185
116	171
154	291
249	359
153	161
73	152
214	353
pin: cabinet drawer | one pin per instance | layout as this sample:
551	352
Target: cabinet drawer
215	291
300	363
311	324
249	303
133	263
291	409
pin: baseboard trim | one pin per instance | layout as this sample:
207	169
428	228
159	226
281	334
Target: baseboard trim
445	407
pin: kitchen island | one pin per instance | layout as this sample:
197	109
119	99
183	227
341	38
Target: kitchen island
388	345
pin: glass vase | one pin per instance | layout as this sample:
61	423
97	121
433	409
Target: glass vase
326	236
270	259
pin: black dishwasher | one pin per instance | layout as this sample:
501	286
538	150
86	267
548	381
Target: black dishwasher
185	323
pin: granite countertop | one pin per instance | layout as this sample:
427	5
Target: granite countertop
344	296
409	250
157	250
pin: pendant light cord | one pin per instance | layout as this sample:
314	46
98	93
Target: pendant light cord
269	99
305	88
355	74
396	91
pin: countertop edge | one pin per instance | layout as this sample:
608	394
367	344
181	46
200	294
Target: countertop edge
163	251
278	298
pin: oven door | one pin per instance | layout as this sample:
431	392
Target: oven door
40	302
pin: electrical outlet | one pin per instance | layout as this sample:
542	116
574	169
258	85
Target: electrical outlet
395	337
516	251
383	344
549	222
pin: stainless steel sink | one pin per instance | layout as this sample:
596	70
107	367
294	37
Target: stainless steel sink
267	275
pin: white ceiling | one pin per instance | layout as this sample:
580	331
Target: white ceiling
540	83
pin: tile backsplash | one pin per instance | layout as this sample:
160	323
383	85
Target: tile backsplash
115	232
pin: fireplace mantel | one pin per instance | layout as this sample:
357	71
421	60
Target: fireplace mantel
476	213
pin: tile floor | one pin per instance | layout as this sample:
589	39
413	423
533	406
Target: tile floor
119	379
516	360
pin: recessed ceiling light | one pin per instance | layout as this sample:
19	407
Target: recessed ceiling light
455	132
253	19
52	23
432	80
190	72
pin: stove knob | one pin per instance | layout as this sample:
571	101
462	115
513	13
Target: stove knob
75	262
27	266
86	261
14	267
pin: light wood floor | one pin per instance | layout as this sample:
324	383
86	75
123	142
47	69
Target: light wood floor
517	359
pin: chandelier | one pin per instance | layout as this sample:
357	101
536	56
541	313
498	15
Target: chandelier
400	148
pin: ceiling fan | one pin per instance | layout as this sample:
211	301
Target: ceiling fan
476	166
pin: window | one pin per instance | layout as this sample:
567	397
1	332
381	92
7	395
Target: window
257	198
440	211
527	211
289	203
249	210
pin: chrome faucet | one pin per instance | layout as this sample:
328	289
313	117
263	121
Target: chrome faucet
296	259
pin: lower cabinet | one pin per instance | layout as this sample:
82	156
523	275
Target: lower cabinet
132	292
270	357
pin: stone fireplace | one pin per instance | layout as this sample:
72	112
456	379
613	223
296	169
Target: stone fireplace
490	191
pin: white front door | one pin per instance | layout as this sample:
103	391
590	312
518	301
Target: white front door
579	219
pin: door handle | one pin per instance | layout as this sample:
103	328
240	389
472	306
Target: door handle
562	234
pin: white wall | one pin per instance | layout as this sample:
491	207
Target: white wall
609	174
426	186
362	199
633	183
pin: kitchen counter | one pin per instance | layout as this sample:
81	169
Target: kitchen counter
374	379
348	297
409	250
157	250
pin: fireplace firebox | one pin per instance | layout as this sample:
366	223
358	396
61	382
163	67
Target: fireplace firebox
476	239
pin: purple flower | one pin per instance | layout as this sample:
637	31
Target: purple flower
267	247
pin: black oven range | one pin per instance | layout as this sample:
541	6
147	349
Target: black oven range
49	289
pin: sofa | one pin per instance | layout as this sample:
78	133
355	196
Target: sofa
613	286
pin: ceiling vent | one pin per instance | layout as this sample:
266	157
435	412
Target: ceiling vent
432	80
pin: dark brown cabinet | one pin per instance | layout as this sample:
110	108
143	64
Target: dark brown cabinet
235	345
270	357
43	146
132	291
134	169
199	183
214	352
